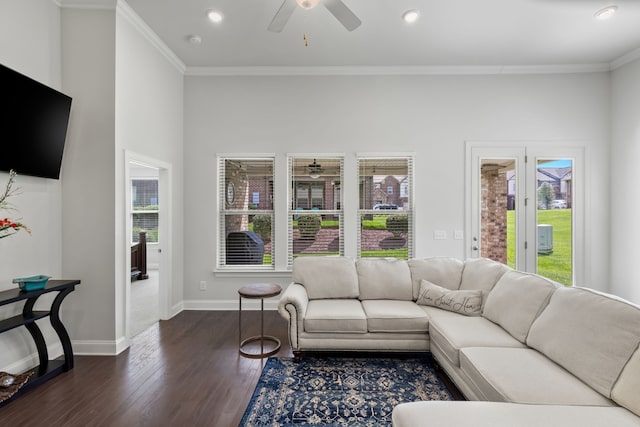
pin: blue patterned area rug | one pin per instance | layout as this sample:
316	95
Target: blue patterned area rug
339	391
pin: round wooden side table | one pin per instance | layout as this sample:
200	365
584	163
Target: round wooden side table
257	291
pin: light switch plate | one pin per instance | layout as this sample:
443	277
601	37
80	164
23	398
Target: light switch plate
458	235
439	234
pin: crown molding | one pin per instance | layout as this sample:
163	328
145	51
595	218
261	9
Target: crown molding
397	70
124	10
87	4
625	59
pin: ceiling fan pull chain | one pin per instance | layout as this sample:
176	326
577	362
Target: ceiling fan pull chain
306	40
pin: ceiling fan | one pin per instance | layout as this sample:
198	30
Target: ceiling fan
315	169
336	7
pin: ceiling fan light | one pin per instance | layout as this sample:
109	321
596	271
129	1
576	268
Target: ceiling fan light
606	12
215	16
307	4
314	170
411	16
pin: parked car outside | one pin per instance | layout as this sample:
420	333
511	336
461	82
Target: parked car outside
381	206
557	204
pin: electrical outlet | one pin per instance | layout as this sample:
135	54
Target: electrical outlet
203	285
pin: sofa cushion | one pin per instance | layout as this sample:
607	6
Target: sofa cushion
384	278
395	316
522	375
326	276
439	413
590	334
335	315
468	303
516	300
443	271
451	334
626	391
481	274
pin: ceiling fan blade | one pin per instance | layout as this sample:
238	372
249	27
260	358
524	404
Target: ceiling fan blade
343	14
282	16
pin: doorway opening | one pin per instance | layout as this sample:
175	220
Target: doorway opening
144	310
148	217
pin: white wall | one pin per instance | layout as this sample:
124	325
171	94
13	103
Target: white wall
149	115
129	98
625	176
89	223
30	44
430	115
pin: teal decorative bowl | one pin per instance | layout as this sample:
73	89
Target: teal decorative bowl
32	283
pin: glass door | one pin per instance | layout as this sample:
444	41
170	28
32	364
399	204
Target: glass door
497	205
525	209
554	218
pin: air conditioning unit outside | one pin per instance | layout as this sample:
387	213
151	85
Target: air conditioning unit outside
545	238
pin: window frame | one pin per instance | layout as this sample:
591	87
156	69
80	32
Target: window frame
292	212
223	211
135	211
408	208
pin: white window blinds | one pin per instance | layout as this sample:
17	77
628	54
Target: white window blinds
385	207
315	206
245	200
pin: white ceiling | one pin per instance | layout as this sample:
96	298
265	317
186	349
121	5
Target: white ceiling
449	33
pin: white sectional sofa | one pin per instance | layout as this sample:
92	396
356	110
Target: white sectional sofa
527	350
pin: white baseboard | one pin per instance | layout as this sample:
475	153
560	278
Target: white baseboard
99	348
30	361
175	310
228	305
115	347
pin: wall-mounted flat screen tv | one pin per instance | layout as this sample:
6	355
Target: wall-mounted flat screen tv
33	125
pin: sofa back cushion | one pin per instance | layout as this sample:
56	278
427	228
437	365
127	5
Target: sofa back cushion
626	391
442	271
590	334
384	278
481	274
326	276
517	300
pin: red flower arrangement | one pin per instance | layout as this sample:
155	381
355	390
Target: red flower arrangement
10	227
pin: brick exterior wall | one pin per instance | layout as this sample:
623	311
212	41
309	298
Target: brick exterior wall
494	215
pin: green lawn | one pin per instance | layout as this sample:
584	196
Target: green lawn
400	253
556	265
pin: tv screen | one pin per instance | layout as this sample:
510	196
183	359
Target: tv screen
33	125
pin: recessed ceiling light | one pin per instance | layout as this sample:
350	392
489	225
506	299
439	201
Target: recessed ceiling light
215	16
308	4
411	16
194	39
606	12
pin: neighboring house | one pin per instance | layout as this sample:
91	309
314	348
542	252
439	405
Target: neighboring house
559	179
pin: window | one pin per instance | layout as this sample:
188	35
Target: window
245	199
315	208
144	209
386	218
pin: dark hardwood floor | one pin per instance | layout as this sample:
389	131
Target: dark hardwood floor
182	372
